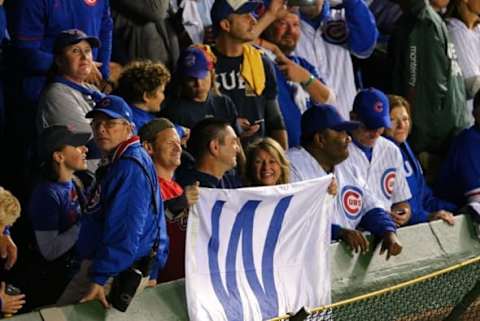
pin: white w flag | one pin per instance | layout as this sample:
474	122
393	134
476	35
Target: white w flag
257	253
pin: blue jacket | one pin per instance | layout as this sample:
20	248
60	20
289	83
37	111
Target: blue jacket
37	24
423	202
124	216
286	99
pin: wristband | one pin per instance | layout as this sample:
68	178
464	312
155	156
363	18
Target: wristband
308	82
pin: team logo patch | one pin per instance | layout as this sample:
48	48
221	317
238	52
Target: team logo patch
378	107
352	201
335	32
387	182
90	2
189	61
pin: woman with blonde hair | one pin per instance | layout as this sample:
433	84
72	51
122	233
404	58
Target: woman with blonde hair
424	205
266	163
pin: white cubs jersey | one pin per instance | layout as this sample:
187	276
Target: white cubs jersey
353	199
384	173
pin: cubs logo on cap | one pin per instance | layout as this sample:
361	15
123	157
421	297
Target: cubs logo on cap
352	201
388	181
378	107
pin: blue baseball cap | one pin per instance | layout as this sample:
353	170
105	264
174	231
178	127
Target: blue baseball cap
193	63
221	9
321	117
112	106
72	36
372	108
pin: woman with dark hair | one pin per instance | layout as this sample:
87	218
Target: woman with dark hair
266	164
424	205
68	97
54	211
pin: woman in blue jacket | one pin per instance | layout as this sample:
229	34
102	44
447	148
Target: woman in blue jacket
425	206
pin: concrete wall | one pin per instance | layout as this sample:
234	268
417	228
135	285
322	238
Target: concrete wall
427	247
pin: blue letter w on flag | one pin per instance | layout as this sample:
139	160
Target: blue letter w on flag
243	228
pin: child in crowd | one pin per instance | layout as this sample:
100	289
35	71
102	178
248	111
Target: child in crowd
9	213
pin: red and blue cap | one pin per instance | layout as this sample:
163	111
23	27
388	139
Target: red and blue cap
372	108
221	9
321	117
194	63
112	106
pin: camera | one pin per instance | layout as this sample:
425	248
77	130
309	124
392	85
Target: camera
124	287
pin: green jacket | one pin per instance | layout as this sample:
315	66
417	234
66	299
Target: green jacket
425	71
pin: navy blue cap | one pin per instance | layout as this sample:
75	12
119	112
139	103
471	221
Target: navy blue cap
72	36
194	63
55	137
372	108
112	106
221	9
320	117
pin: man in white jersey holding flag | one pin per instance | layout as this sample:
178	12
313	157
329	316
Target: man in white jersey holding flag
323	150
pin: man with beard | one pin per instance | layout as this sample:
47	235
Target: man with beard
323	150
299	85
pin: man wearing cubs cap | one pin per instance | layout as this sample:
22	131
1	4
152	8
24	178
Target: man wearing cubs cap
323	150
375	158
244	73
124	223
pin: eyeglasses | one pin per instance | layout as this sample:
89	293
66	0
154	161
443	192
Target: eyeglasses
107	124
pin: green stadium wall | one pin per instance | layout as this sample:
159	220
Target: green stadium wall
426	248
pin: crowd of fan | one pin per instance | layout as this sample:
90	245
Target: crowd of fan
112	115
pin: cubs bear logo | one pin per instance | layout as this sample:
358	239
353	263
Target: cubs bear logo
378	107
335	32
387	182
90	2
352	201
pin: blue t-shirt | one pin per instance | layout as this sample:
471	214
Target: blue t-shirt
54	206
459	178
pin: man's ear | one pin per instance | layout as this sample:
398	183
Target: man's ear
214	147
146	97
224	25
58	157
148	147
319	140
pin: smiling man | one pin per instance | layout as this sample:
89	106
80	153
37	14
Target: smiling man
324	150
244	73
299	83
124	226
